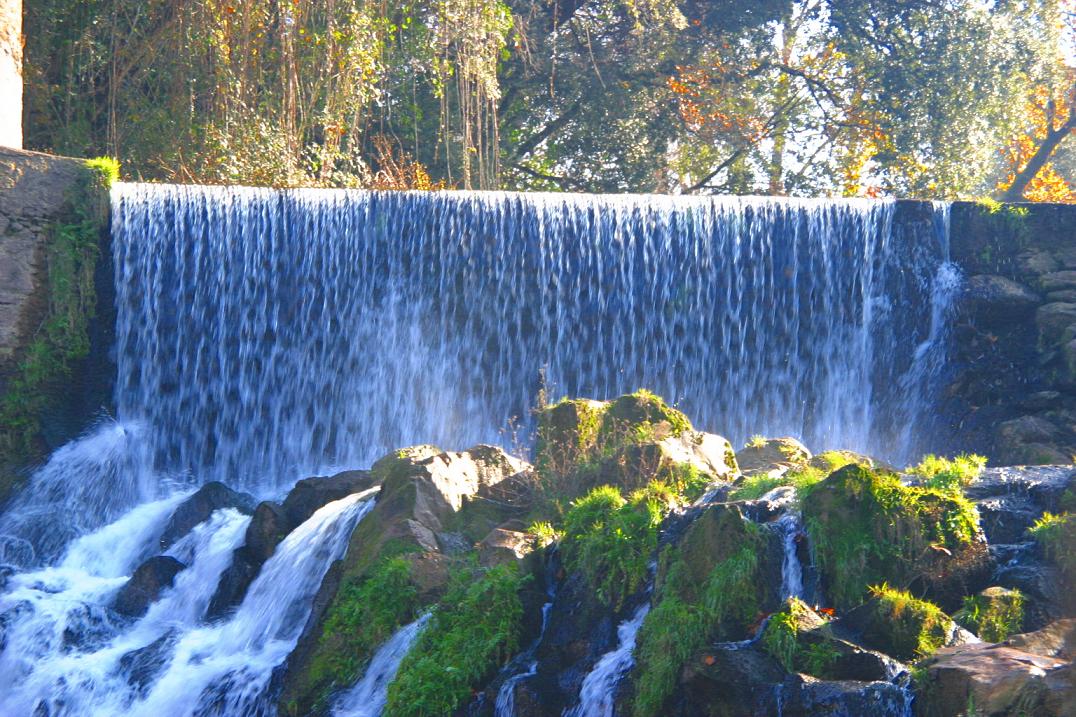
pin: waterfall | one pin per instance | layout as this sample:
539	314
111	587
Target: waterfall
367	698
65	653
599	687
790	527
266	334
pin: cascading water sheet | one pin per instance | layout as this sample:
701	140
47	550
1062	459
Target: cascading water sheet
266	334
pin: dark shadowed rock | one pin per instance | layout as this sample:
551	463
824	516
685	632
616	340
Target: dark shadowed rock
1053	319
142	666
89	628
310	494
989	299
146	585
197	509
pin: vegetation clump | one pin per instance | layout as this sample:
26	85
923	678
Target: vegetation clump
365	615
709	589
610	539
782	639
62	339
802	477
868	528
1056	533
904	626
949	474
993	614
472	631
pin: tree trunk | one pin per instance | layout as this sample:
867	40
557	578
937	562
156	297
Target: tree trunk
1015	192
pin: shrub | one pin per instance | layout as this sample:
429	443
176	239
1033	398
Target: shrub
1057	536
993	614
473	631
949	474
910	627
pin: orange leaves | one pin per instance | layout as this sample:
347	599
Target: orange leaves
1045	112
701	93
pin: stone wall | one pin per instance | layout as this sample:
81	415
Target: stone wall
1012	386
55	270
11	73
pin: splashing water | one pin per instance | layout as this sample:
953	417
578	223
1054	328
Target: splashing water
265	334
367	698
597	695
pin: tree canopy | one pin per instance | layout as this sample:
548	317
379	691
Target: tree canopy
929	98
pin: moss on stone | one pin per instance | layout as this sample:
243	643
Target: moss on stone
868	528
993	614
1056	533
708	589
473	631
948	474
41	377
904	626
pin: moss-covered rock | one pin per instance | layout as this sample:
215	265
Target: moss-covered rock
628	442
900	625
423	490
769	455
868	528
708	588
993	614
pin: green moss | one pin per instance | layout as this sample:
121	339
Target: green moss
754	487
910	628
709	589
868	528
107	169
366	613
610	539
782	639
949	474
1057	536
993	614
40	379
637	418
474	630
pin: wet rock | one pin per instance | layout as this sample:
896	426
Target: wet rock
996	680
271	523
89	628
1011	498
1052	320
311	494
453	543
141	667
991	299
147	583
1058	281
772	455
210	497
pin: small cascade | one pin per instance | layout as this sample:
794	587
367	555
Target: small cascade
66	653
83	486
367	698
790	528
596	697
505	706
64	648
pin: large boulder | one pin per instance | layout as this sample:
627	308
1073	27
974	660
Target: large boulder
902	626
423	490
772	455
1010	498
197	508
1053	319
145	586
1031	440
868	528
995	680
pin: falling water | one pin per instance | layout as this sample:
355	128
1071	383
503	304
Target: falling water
505	705
265	334
790	527
367	698
597	695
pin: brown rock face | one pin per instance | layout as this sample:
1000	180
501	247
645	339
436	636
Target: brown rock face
146	585
772	454
996	680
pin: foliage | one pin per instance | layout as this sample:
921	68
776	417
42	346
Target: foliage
867	527
689	612
107	169
62	339
914	628
782	640
473	630
993	617
949	474
610	539
756	486
1057	535
543	533
364	616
